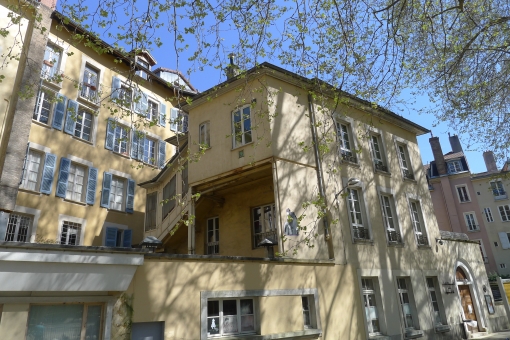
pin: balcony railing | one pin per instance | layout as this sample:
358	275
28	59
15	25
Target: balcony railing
270	235
422	240
348	156
89	92
380	166
213	248
360	234
394	236
407	174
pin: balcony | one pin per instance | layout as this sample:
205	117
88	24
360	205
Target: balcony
89	92
407	174
394	237
348	156
422	240
381	167
259	237
360	234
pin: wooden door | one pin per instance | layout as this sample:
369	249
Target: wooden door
467	305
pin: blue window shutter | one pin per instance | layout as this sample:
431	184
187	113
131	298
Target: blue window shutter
63	176
110	239
71	116
116	83
59	111
162	153
162	115
110	134
135	140
50	161
126	240
105	193
130	200
174	115
144	104
91	186
4	220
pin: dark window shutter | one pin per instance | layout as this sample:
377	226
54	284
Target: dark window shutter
110	134
116	83
130	199
162	115
63	176
59	111
105	192
50	162
126	240
91	186
110	239
162	153
71	116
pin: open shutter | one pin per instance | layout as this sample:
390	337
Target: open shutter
91	186
110	239
184	123
503	237
135	141
50	162
162	115
63	176
130	200
4	220
110	135
105	192
174	115
24	164
144	105
71	117
59	111
162	153
116	83
126	240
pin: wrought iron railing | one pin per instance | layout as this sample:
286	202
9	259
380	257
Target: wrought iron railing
213	248
360	234
89	92
380	166
407	174
394	236
270	235
349	157
422	240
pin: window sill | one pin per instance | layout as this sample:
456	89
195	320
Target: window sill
465	202
44	125
474	231
117	211
363	241
413	334
500	198
306	334
75	202
396	244
384	173
89	102
241	146
51	85
442	328
81	140
424	246
120	154
32	192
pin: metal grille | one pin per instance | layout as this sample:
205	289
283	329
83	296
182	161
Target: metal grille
394	236
422	240
407	174
270	235
361	234
70	233
17	228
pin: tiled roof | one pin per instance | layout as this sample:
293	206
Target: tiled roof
452	155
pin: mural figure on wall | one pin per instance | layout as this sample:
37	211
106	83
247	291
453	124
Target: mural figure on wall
291	226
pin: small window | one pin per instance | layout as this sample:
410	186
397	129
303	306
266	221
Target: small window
471	221
117	193
406	302
454	166
169	193
153	111
405	165
90	85
121	140
357	214
307	303
371	309
18	228
498	190
125	96
118	237
83	126
378	153
33	171
241	127
204	138
139	72
230	316
417	219
502	265
496	244
390	222
346	146
213	236
51	63
70	233
150	211
263	224
463	194
482	251
504	212
44	105
149	151
488	214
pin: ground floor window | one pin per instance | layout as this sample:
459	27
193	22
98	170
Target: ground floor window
71	321
230	316
369	300
18	228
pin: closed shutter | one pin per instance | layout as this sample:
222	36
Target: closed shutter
105	192
110	239
71	117
63	176
116	83
503	237
130	199
135	141
110	135
50	162
91	186
59	111
162	115
162	153
174	115
4	220
126	240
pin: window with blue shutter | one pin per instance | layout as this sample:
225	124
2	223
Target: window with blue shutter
135	142
105	192
162	115
116	85
130	199
63	176
162	153
71	116
50	162
59	111
91	186
174	115
110	239
110	134
126	239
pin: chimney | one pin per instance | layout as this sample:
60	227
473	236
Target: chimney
232	69
49	3
438	155
455	143
490	161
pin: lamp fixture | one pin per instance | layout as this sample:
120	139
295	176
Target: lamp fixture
350	183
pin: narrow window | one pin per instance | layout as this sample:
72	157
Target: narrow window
18	228
117	193
184	175
434	300
263	224
471	222
417	219
150	211
153	112
33	169
75	183
213	236
241	126
125	96
377	155
70	233
83	127
51	62
403	156
488	214
504	211
369	300
139	72
344	137
359	230
463	194
149	151
120	141
204	138
169	197
502	265
43	106
497	189
388	208
482	251
90	84
406	303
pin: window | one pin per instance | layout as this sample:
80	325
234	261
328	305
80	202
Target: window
213	236
18	228
344	137
406	303
169	193
146	149
391	223
150	211
434	299
488	214
497	189
403	156
454	166
76	183
369	300
153	111
117	193
51	62
125	96
504	211
43	105
83	126
230	316
117	237
504	237
502	265
377	153
264	224
471	222
120	140
418	226
354	205
70	233
204	138
463	194
33	170
149	151
178	121
139	72
241	127
90	84
67	321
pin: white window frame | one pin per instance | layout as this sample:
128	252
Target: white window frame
82	109
154	116
242	133
366	292
73	219
84	184
152	161
42	94
124	192
141	73
404	159
117	148
39	170
238	317
86	61
498	189
215	244
45	74
379	161
312	323
463	195
488	214
266	230
435	288
420	235
16	232
87	91
355	227
390	215
408	290
505	213
204	139
471	221
454	166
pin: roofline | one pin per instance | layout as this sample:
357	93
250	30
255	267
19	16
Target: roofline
56	15
179	73
420	130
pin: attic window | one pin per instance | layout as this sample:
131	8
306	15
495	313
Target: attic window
454	166
142	62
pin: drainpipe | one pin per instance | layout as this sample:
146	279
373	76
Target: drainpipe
320	180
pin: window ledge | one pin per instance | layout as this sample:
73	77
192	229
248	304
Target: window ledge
28	191
424	246
356	165
500	198
117	211
384	173
396	244
82	140
75	202
120	154
363	241
442	328
413	334
240	147
51	85
89	102
44	125
306	334
465	202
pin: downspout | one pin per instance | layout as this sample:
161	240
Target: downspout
320	177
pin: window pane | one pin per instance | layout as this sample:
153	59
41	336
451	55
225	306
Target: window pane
230	324
55	322
229	307
247	323
213	325
93	326
213	308
246	307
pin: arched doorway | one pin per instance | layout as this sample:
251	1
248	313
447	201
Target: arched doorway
465	288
